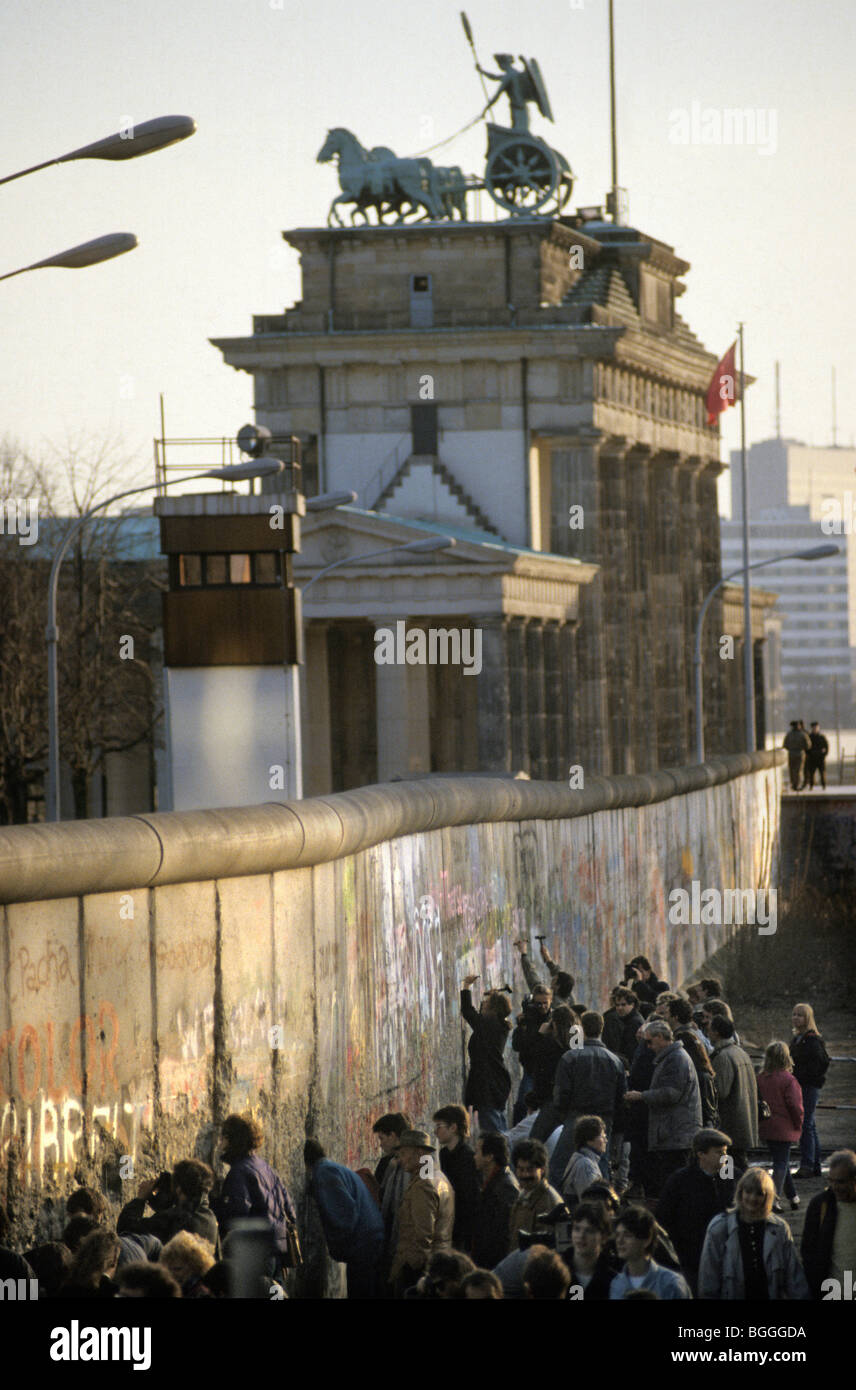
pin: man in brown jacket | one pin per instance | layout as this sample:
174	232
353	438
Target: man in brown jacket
537	1197
427	1212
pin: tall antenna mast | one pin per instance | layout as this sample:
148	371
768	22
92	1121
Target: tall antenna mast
834	413
613	135
616	199
778	402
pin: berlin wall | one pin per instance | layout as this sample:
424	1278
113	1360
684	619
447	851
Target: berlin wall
146	960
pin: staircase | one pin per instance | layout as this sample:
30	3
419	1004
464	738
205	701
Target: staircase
408	469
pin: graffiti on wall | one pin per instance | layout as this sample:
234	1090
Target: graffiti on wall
49	1121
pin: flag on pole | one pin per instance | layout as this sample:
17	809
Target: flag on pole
724	388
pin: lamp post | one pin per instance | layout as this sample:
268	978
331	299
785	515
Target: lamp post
421	547
817	552
125	144
233	472
103	248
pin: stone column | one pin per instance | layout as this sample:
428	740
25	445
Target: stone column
573	749
518	694
723	733
494	699
615	560
670	656
536	693
692	543
315	699
641	669
555	731
576	482
403	727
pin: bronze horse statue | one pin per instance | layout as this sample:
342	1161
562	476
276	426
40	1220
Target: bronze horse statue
394	187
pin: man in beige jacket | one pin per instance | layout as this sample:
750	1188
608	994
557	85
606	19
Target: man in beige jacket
427	1212
537	1197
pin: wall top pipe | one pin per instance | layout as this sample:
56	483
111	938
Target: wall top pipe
39	862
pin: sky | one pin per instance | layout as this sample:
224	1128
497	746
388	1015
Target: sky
767	227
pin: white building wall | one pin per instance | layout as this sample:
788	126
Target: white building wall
233	735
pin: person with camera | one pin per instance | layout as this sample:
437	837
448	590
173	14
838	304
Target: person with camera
534	1013
640	977
179	1202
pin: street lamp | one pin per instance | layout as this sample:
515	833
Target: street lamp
421	547
817	552
103	248
234	472
127	144
327	501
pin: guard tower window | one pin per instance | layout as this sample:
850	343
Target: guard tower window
216	569
421	302
261	569
189	570
239	569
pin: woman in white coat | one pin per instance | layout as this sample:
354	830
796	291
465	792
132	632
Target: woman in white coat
749	1253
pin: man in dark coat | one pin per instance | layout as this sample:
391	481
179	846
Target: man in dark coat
489	1081
815	758
829	1235
621	1023
353	1225
694	1195
457	1160
590	1080
797	743
183	1206
499	1191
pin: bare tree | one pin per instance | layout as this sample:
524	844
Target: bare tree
108	612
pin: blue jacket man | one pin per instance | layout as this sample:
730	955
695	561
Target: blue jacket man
351	1219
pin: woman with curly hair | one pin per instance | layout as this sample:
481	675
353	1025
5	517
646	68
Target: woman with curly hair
188	1258
90	1274
251	1187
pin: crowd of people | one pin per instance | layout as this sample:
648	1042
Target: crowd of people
625	1170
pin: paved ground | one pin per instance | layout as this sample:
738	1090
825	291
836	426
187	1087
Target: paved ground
836	1127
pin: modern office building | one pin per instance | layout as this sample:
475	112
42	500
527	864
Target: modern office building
799	497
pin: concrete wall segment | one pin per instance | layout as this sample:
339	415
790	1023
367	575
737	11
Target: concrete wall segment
131	1020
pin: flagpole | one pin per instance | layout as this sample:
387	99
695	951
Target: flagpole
748	653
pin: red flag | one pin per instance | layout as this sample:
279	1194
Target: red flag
724	388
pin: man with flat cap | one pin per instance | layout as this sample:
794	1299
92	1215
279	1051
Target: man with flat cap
427	1212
